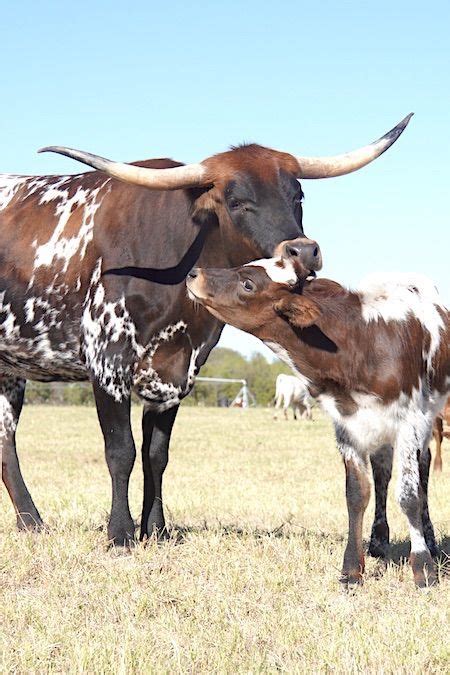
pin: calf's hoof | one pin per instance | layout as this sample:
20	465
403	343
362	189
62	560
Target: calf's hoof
351	580
423	568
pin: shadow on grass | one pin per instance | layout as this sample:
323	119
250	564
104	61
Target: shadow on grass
399	550
286	530
399	555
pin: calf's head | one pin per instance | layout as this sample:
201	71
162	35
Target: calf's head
259	298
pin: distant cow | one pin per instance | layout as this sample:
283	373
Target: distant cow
441	430
377	360
290	392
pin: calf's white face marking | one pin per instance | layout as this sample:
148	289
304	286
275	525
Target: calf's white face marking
278	269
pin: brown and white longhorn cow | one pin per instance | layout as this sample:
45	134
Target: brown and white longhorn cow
62	317
377	360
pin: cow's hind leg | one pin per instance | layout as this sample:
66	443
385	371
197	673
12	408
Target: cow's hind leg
114	418
157	429
11	400
382	470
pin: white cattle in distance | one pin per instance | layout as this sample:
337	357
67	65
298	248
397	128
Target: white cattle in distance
290	392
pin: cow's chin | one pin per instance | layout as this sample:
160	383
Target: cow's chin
192	296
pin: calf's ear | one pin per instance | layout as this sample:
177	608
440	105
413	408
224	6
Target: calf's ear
298	310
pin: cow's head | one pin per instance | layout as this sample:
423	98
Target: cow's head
252	192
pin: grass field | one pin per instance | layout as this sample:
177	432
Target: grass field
253	586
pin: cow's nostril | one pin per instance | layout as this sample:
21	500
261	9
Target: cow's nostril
193	274
316	252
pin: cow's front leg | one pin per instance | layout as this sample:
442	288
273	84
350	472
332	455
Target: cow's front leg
157	429
357	490
114	418
381	463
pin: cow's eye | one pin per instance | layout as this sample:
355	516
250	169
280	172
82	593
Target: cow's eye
248	285
234	203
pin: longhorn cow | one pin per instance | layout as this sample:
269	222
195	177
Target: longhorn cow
92	287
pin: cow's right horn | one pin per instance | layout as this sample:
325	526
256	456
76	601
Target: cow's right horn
174	178
339	165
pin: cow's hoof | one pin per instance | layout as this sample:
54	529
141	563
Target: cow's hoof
121	546
155	534
121	536
28	522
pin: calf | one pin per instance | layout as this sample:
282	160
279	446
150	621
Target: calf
378	362
291	392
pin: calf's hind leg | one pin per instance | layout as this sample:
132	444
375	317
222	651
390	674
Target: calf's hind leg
357	490
424	473
11	400
411	497
381	463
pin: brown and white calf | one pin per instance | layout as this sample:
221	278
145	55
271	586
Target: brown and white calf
378	362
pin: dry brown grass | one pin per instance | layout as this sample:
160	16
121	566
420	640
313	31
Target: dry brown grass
253	587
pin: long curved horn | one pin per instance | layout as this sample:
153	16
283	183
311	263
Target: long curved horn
187	176
339	165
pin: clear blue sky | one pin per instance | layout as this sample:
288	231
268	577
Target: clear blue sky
186	80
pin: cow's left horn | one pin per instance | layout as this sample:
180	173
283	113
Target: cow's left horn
187	176
339	165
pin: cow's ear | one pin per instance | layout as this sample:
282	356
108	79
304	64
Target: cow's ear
204	208
298	310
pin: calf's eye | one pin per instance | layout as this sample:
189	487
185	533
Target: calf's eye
248	285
